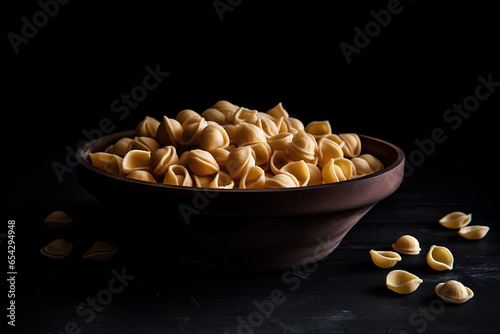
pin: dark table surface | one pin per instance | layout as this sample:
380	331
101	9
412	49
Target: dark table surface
343	293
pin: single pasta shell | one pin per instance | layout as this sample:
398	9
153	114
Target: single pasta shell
352	147
299	170
144	143
281	181
142	175
440	258
278	160
453	292
456	220
280	141
162	159
407	244
221	181
239	161
169	132
227	108
385	259
328	149
293	125
100	251
248	134
57	249
315	175
186	114
213	136
108	162
202	163
147	127
202	181
319	128
214	115
402	282
254	178
191	130
136	160
58	219
178	175
473	232
278	111
261	152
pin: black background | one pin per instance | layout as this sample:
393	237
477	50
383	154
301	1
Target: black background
429	57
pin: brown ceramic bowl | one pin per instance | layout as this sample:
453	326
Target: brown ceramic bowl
263	230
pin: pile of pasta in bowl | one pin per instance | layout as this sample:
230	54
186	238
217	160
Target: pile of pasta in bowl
232	147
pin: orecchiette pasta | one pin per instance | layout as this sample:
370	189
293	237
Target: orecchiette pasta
229	146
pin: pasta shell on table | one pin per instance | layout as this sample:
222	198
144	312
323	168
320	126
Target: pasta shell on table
407	244
202	181
57	249
315	175
178	175
108	162
254	178
262	153
280	141
202	163
213	136
440	258
58	219
144	143
147	127
214	115
244	115
191	130
227	108
221	181
402	282
319	128
385	259
142	175
162	159
248	134
456	220
239	161
169	132
473	232
281	181
299	170
366	164
100	251
186	114
136	160
119	148
278	160
327	150
278	111
293	124
337	170
453	292
352	147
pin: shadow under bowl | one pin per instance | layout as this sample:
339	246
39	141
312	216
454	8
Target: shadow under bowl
255	230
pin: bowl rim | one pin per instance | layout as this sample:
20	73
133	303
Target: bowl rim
84	150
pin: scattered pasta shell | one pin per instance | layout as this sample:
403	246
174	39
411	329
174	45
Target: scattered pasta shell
407	244
440	258
202	163
147	127
136	160
57	249
100	251
473	232
453	292
169	132
456	220
58	219
385	259
402	282
178	175
142	175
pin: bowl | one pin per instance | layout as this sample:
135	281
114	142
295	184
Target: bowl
248	229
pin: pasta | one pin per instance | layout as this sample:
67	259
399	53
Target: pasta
453	292
402	282
57	249
228	146
440	258
407	244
